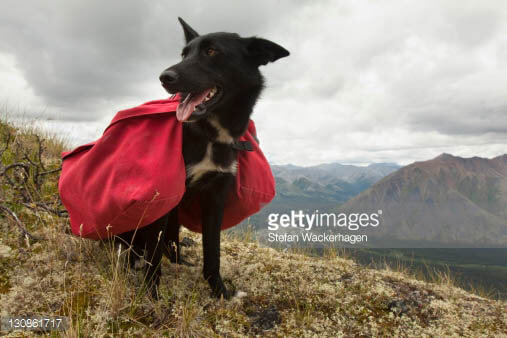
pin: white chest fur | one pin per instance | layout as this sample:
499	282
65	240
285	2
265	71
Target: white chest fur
196	171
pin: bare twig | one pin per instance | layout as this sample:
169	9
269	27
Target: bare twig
26	176
40	150
38	165
7	141
50	171
19	186
36	169
34	206
17	221
26	157
25	168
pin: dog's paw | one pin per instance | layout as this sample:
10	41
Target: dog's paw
230	294
223	292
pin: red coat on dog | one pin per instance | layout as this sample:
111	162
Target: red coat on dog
135	174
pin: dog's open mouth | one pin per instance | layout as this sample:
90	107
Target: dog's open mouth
196	104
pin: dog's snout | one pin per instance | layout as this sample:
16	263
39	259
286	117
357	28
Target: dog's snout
168	76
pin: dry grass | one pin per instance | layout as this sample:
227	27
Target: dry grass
288	294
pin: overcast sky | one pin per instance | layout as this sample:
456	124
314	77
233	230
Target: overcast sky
367	81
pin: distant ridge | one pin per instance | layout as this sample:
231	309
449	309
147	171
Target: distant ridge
331	172
319	187
448	199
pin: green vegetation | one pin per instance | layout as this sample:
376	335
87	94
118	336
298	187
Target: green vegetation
482	271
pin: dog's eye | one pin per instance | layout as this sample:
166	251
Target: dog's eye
211	51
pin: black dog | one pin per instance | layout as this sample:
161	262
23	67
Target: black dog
219	83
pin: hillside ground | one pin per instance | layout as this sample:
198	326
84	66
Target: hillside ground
44	270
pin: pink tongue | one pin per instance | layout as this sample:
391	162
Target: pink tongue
187	107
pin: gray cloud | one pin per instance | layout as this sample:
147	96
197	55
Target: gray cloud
82	55
396	81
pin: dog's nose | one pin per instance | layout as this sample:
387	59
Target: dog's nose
168	76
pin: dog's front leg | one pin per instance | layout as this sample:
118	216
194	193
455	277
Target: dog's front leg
212	206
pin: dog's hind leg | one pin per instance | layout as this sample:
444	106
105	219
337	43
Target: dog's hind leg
151	237
126	242
172	237
145	249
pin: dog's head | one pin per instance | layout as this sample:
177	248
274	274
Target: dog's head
217	70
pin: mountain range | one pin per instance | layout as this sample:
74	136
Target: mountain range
321	187
332	181
445	200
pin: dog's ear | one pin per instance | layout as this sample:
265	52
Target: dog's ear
262	51
190	33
